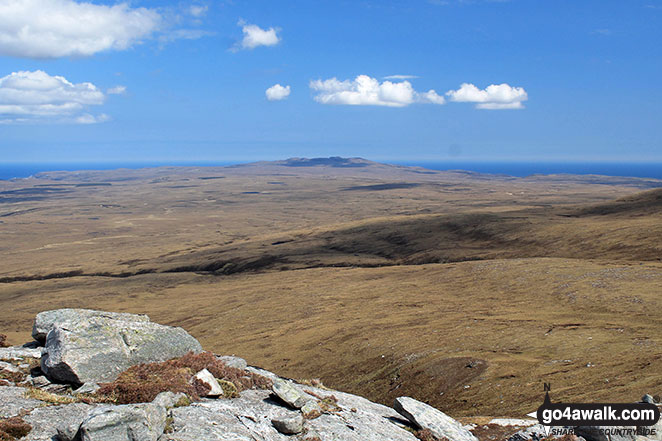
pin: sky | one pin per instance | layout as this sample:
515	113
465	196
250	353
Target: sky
429	80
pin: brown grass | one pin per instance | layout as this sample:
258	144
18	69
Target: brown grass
494	432
14	377
57	399
425	435
13	428
142	383
309	295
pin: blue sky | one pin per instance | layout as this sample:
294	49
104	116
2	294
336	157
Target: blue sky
172	81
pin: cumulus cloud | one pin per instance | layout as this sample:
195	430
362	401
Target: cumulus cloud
277	92
255	36
400	77
37	96
61	28
494	96
368	91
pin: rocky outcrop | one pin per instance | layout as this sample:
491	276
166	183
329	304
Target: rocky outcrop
427	417
262	405
98	347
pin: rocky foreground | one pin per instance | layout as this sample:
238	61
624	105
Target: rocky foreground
102	376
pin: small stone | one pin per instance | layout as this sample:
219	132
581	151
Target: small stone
87	388
40	381
288	425
168	400
289	393
207	378
312	410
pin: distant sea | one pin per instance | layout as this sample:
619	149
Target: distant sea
522	169
519	169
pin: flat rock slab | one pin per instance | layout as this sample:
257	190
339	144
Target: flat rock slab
250	416
44	321
427	417
16	353
45	421
97	349
131	422
13	401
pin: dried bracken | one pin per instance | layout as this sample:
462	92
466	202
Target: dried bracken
425	435
142	383
13	428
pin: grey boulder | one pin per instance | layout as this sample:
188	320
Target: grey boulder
98	348
233	362
289	393
427	417
288	425
45	321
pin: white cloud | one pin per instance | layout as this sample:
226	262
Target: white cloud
277	92
368	91
255	36
431	97
86	118
36	96
62	28
198	10
400	77
494	96
117	90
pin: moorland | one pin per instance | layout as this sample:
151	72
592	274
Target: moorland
463	290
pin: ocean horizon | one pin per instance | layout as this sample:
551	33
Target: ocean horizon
651	170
